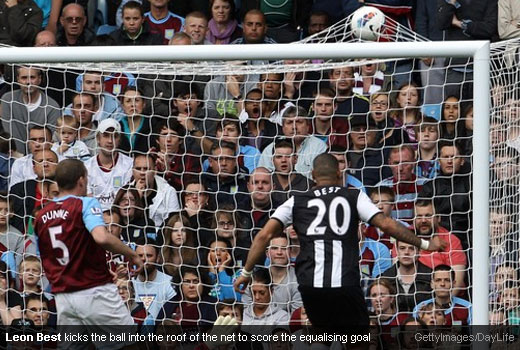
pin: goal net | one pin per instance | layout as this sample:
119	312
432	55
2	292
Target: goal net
206	151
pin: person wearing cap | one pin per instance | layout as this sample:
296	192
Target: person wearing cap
295	126
109	170
365	157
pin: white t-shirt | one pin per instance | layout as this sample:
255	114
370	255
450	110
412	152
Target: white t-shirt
78	150
22	170
104	185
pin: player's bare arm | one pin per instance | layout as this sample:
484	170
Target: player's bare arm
401	233
114	245
258	247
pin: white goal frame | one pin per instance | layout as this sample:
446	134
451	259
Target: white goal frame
478	50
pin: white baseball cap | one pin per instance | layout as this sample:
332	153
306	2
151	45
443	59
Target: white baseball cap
108	123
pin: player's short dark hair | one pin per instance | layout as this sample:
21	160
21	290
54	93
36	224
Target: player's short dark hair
444	268
133	5
325	165
263	276
68	172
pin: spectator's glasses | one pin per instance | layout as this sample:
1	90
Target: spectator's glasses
71	20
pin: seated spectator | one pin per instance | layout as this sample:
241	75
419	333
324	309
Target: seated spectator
409	277
110	169
318	22
295	126
366	160
135	126
37	309
428	224
225	180
67	146
374	259
504	241
257	130
327	127
223	28
451	192
30	268
45	38
368	79
260	185
6	159
388	133
222	270
34	193
195	204
510	300
341	80
193	305
456	310
83	107
180	247
10	301
107	105
135	30
23	168
27	106
405	183
262	311
12	241
228	307
382	297
159	198
452	125
135	223
136	308
254	28
273	98
172	161
163	22
285	292
405	109
427	133
286	181
349	180
21	21
505	272
508	14
432	316
73	30
196	26
384	199
152	287
229	130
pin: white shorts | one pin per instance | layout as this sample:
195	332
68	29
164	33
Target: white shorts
98	310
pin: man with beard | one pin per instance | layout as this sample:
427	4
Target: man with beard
83	107
427	225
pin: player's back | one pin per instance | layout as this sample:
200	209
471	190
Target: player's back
72	260
326	219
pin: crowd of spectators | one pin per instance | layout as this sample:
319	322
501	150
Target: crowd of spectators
189	168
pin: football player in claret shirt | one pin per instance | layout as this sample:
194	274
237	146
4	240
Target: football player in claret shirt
72	238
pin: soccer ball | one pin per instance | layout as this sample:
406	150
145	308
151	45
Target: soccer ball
367	22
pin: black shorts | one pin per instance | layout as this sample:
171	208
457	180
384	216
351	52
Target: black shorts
335	308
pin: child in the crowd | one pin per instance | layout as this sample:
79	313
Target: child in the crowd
68	146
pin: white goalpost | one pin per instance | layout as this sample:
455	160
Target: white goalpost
479	51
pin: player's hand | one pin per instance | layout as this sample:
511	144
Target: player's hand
241	284
437	244
226	325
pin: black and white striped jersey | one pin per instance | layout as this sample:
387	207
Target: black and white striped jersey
326	219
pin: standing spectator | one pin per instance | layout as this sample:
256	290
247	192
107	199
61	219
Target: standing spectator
134	30
160	199
26	106
163	22
405	183
196	26
260	185
135	126
457	310
409	277
109	170
368	79
254	29
295	126
389	134
405	110
262	311
329	128
284	285
341	80
318	22
222	27
152	287
383	198
23	168
73	31
508	19
31	194
21	21
83	107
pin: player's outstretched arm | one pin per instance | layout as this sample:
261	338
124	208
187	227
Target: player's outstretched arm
401	233
258	247
114	245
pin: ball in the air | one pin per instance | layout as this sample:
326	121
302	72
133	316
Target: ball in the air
367	23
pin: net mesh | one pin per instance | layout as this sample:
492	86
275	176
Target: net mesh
192	135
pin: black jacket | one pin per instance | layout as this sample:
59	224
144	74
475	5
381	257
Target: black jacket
23	195
84	39
20	23
232	190
145	38
300	11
